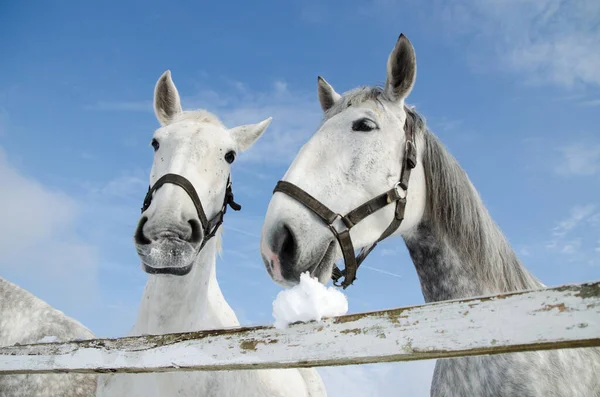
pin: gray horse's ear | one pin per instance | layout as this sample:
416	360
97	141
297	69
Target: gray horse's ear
166	99
327	95
401	70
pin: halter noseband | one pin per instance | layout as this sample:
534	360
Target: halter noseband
208	227
340	225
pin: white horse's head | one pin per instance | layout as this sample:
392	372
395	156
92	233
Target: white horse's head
356	154
193	153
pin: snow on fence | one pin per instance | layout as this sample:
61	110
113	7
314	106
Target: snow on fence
554	318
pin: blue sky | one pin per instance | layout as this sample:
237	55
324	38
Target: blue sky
511	87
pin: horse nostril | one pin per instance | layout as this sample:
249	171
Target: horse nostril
196	231
287	250
139	236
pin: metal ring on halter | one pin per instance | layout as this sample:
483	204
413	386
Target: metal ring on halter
343	222
402	193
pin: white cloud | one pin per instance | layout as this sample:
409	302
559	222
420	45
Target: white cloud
538	41
571	247
579	159
386	379
574	236
547	41
578	214
39	244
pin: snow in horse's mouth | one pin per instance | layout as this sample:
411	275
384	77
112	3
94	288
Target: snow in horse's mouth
167	256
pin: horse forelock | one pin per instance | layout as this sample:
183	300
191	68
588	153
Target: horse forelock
200	116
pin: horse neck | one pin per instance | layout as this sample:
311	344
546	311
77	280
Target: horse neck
185	303
457	249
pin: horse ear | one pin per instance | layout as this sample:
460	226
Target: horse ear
401	70
246	135
327	95
166	99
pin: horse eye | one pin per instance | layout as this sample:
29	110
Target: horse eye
230	157
155	144
364	125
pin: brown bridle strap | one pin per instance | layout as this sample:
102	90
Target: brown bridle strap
340	225
208	227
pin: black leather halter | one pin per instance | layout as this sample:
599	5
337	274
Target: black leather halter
208	227
340	225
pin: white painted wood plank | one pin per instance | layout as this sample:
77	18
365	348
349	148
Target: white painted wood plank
561	317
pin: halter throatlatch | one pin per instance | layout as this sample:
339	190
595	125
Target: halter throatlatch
208	227
340	225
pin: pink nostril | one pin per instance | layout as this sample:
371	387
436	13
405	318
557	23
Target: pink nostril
276	268
273	262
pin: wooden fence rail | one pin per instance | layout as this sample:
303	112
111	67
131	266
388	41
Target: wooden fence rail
554	318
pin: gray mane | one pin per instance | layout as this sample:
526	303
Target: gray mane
454	207
457	212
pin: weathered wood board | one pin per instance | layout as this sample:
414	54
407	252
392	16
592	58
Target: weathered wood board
554	318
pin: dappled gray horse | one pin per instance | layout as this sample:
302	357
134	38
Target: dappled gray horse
360	163
24	319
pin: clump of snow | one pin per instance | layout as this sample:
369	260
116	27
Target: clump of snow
48	339
309	300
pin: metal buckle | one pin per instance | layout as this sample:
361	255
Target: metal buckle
341	226
400	191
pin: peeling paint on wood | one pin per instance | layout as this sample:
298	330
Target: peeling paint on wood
555	318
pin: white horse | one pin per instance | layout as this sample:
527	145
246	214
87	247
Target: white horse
183	210
370	148
25	319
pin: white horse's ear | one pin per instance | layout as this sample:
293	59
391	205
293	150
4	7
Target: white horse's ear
166	99
246	135
401	70
327	95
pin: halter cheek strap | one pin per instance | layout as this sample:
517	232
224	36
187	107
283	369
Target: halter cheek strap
208	227
340	225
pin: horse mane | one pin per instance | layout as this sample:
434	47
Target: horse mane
458	214
454	206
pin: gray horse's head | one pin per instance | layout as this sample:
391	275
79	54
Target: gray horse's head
355	155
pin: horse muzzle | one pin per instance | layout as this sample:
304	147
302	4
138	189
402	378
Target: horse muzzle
168	255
